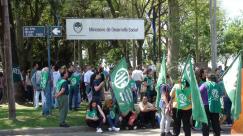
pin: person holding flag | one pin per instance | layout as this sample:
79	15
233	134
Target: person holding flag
166	108
182	93
211	94
163	87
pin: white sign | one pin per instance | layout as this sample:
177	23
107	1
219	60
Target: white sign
104	29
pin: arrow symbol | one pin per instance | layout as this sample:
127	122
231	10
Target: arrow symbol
56	31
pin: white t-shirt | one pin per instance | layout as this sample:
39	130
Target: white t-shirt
56	76
137	75
87	76
147	106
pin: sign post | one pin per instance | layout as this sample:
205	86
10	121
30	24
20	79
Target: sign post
48	32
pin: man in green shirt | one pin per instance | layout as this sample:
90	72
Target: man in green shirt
211	93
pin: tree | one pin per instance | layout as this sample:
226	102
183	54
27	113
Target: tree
174	38
8	60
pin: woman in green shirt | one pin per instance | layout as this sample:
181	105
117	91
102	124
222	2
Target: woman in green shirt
95	117
182	95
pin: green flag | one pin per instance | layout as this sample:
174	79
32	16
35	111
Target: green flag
122	92
44	79
161	80
198	111
232	83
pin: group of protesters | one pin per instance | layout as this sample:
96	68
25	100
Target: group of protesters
71	85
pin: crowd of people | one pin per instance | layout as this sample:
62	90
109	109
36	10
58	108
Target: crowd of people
72	85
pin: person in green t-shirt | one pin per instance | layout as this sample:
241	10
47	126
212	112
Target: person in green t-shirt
182	94
62	98
112	113
95	117
149	85
211	94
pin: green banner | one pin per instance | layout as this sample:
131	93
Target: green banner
232	83
161	80
121	88
198	111
44	79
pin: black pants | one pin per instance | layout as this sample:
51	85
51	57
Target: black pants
1	94
147	117
29	93
95	124
184	116
125	121
214	119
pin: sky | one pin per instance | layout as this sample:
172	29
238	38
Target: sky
233	8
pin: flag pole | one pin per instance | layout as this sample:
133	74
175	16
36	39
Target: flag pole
240	53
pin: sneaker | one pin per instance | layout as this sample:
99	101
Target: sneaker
115	129
99	130
135	127
64	125
109	129
168	134
162	134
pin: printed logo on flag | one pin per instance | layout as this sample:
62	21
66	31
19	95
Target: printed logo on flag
121	78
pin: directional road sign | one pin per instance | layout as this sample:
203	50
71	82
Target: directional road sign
34	31
56	31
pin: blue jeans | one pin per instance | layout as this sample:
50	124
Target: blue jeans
135	96
73	95
112	122
47	103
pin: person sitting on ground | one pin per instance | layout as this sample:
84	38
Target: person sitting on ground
112	113
129	121
95	117
147	112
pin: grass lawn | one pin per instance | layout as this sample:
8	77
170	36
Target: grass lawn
28	117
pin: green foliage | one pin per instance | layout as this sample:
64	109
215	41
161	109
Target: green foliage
38	12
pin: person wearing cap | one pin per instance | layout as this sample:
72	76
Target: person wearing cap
211	94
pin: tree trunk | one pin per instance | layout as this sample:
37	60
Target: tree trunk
92	54
8	61
174	39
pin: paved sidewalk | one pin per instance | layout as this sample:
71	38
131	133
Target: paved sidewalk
86	131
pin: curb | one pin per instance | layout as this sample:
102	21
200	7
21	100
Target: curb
26	131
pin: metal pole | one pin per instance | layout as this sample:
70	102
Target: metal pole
213	34
49	98
154	40
74	51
